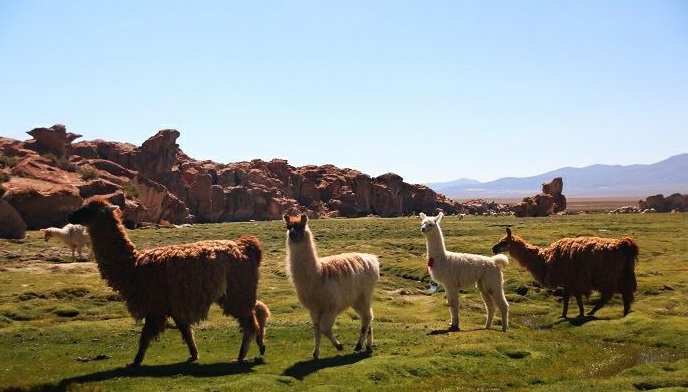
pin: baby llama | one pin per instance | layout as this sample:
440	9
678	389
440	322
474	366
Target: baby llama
177	281
579	265
327	286
460	270
74	236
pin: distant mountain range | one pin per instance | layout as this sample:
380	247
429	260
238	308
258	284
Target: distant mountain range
666	177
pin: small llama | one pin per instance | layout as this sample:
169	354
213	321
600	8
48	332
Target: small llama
327	286
461	270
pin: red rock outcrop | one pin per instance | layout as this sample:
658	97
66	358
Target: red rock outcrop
157	182
658	203
549	202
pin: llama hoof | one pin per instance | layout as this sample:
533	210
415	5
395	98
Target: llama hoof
262	350
339	347
192	358
358	347
133	364
453	328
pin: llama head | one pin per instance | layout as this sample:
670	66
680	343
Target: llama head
93	211
504	242
429	223
296	227
46	234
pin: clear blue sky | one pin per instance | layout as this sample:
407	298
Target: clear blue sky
430	90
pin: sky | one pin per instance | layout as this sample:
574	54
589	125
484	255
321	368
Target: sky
430	90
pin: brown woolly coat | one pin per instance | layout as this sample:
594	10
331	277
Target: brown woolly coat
581	264
180	281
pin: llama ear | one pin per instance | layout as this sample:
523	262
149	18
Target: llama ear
304	219
286	218
422	215
439	217
508	232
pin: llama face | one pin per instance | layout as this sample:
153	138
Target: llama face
429	223
47	234
296	227
503	244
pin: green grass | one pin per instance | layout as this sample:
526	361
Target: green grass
62	328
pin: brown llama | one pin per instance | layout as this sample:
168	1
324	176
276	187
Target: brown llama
579	265
177	281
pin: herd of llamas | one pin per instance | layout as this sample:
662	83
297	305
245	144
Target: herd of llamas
182	281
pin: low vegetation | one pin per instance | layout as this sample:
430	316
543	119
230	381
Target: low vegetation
62	328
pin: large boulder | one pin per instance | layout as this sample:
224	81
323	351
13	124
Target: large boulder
40	203
12	226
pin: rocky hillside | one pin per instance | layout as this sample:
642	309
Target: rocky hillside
43	179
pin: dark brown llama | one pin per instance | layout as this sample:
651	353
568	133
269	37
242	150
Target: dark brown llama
177	281
579	265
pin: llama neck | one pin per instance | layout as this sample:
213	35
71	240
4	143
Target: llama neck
529	256
434	242
303	257
114	253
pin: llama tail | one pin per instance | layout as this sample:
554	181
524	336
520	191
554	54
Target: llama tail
252	247
262	313
501	260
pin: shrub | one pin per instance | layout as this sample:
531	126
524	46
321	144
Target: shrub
88	174
130	190
8	161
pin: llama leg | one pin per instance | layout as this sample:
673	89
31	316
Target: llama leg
249	325
366	315
566	298
579	302
489	304
260	333
315	318
153	326
453	300
326	324
600	303
627	300
503	306
369	340
187	334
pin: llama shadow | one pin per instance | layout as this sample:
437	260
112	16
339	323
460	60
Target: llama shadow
447	331
578	321
182	368
301	369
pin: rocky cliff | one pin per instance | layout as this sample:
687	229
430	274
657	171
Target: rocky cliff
45	178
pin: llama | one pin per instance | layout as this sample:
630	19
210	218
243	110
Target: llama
74	236
579	265
178	281
460	270
327	286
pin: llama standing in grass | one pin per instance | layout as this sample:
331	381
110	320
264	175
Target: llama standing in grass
177	281
579	265
327	286
74	236
460	270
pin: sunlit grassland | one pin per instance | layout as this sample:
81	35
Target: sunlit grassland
62	328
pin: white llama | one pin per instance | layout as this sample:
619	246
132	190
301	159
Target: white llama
461	270
327	286
74	236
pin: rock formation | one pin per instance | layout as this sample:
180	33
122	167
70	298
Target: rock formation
658	203
550	201
50	176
